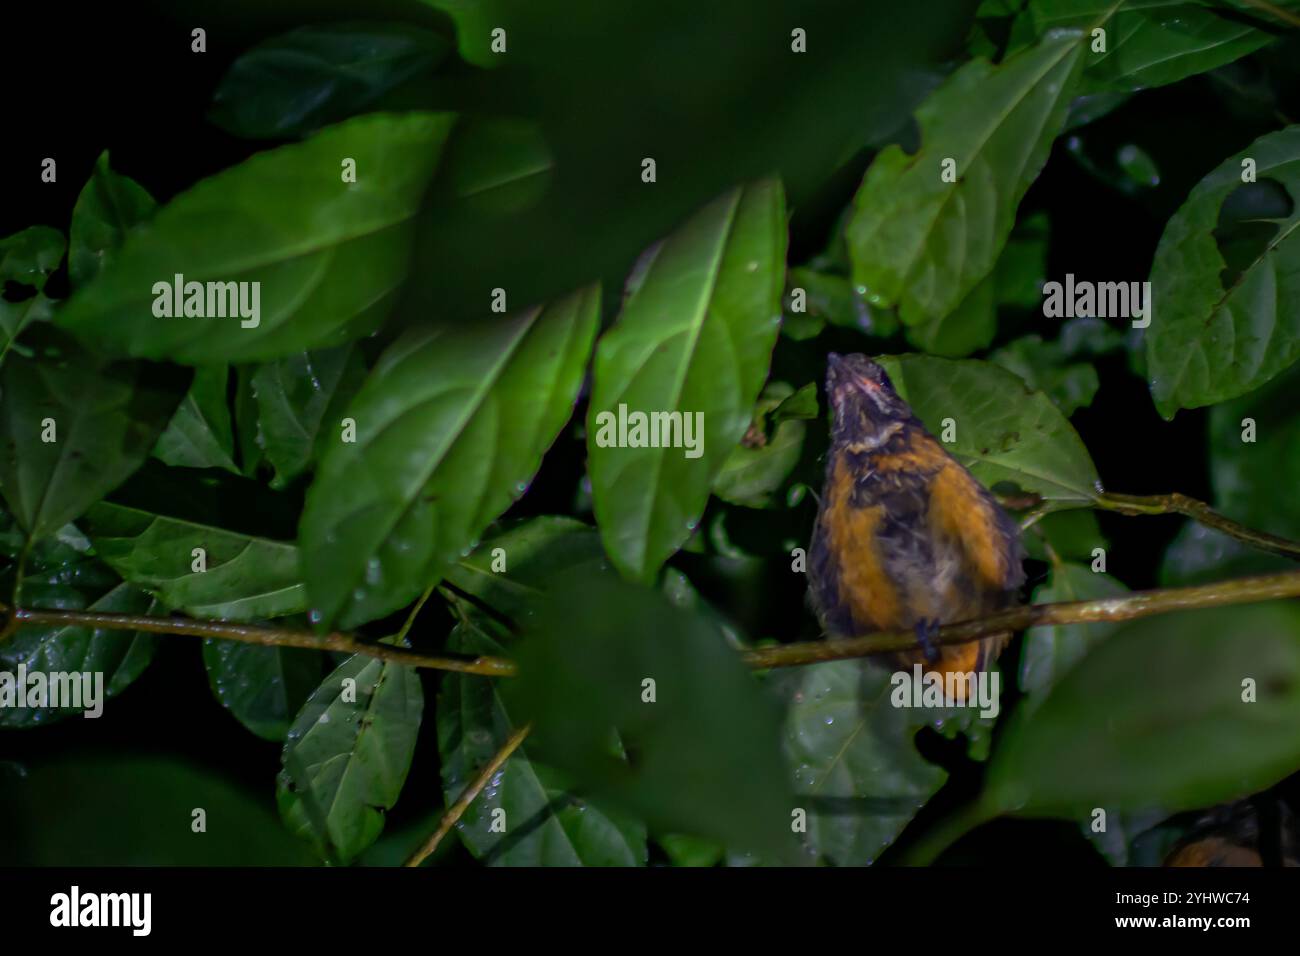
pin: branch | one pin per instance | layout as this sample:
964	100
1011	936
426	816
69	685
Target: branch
249	634
1263	587
457	809
1170	504
1138	604
1200	512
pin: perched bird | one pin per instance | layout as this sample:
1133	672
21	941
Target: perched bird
905	536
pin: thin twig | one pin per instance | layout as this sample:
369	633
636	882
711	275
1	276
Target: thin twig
251	634
1170	504
1198	511
457	809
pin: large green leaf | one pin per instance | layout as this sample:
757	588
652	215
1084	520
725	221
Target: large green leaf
109	208
545	823
348	753
263	687
106	418
60	573
301	80
300	402
1004	431
200	434
1149	42
924	244
695	336
604	661
450	429
118	809
1129	727
1218	332
328	255
857	772
246	577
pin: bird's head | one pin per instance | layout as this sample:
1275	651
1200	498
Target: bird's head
867	409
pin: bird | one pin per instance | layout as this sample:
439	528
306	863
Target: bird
905	537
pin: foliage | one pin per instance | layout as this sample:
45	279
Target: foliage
462	285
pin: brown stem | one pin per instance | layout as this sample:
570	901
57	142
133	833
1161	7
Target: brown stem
1198	511
1138	604
250	634
1127	607
457	809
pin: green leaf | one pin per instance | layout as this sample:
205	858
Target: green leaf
857	771
691	851
547	824
475	22
833	299
923	244
1250	481
450	429
968	328
104	419
1216	336
110	207
314	75
263	687
531	554
328	255
27	258
695	337
116	657
61	573
496	166
1129	727
246	421
247	578
800	405
1072	535
1004	431
300	403
701	757
200	434
1148	42
1043	367
1049	652
763	460
107	808
347	755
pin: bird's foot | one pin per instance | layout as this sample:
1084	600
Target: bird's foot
927	633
